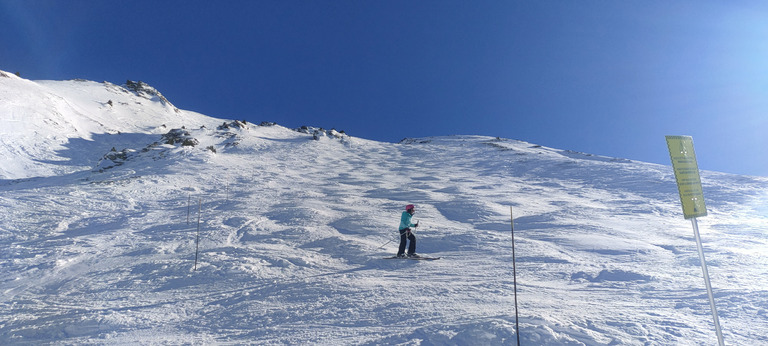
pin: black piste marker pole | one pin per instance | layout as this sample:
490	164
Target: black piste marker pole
197	239
514	276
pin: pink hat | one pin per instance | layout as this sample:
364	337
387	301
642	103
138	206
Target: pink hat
409	207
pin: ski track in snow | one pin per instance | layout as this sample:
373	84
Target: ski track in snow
290	230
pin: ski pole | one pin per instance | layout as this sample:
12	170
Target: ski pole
382	246
391	240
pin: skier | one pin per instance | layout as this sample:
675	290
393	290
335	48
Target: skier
405	232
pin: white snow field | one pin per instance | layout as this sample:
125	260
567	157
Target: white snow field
98	246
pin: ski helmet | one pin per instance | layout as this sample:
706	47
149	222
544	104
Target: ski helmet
409	207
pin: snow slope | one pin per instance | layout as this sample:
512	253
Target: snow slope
98	246
55	127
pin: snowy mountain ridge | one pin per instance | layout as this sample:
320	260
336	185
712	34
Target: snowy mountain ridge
40	118
100	241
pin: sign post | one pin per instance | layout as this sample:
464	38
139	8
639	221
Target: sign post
687	175
692	198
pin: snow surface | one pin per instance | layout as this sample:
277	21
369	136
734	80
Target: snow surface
98	246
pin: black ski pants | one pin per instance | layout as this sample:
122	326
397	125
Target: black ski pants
406	234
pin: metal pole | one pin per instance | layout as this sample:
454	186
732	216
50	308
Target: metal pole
382	246
706	281
514	276
197	240
396	238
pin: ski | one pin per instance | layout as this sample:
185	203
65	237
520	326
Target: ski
415	258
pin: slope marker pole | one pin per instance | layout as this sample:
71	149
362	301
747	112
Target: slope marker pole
514	276
686	168
227	186
197	239
718	331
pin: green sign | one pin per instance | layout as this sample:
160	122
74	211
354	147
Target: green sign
687	175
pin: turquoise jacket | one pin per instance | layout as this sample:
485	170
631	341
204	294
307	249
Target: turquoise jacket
405	221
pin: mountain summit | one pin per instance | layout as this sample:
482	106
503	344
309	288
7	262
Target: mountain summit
53	127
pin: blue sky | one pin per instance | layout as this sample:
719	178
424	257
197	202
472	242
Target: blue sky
603	77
